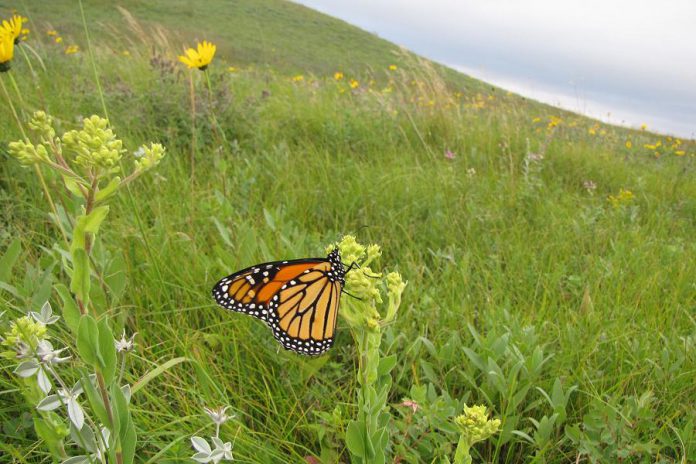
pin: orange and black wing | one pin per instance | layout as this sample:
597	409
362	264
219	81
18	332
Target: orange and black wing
297	299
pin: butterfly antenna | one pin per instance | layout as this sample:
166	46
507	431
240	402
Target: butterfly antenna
357	266
353	296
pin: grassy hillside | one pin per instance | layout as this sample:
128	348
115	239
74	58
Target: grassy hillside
549	258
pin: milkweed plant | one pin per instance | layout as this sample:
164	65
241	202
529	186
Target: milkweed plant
79	397
375	306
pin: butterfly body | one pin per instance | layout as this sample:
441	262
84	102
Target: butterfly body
297	299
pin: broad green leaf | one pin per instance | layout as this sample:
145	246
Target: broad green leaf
50	434
355	441
8	260
88	223
88	341
79	284
42	292
97	298
72	186
109	190
95	400
71	313
108	351
115	277
120	409
386	364
128	442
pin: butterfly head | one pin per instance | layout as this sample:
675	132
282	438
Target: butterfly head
337	268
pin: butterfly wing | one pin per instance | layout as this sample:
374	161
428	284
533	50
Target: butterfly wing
297	299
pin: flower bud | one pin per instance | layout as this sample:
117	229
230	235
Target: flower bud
42	124
27	153
474	424
95	146
149	157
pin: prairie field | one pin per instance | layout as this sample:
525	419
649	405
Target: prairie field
549	259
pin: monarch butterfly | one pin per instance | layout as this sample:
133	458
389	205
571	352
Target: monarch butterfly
298	299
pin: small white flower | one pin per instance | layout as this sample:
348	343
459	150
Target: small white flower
203	450
45	316
140	152
29	368
471	172
69	398
222	450
125	344
205	453
218	415
47	355
589	185
535	157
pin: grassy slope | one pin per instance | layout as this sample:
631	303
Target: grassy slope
516	253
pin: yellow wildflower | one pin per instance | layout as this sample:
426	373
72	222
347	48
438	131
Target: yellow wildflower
392	67
680	153
13	27
354	84
643	127
231	69
199	58
554	121
52	32
298	78
6	51
622	198
71	49
338	75
629	144
536	120
58	40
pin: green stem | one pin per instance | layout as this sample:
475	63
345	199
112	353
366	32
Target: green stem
462	456
193	125
12	108
216	125
16	89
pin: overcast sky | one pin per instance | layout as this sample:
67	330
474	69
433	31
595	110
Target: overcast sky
634	59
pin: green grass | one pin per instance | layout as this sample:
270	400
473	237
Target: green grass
512	265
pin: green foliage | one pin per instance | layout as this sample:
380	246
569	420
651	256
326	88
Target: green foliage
529	292
617	432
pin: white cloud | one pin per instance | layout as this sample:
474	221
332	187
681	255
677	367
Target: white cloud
636	57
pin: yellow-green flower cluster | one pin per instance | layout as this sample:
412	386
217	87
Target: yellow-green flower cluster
367	285
474	424
42	124
95	145
624	197
395	287
23	336
27	153
149	157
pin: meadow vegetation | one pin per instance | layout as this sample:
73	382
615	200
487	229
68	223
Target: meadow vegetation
549	258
